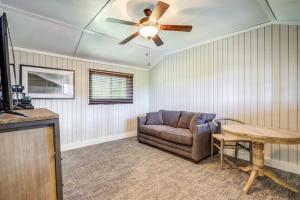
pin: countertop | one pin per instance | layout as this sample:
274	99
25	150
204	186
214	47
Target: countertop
33	115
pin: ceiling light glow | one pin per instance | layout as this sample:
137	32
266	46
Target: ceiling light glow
148	31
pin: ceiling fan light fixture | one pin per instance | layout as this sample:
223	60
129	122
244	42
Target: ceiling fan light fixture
149	26
148	31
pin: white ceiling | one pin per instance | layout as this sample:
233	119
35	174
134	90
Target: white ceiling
286	10
78	28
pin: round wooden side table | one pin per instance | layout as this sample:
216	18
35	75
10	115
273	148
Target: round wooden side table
260	136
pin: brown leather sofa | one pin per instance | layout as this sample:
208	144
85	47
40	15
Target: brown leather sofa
185	133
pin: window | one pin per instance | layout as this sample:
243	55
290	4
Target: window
106	87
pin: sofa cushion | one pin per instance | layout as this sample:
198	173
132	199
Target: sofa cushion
185	119
178	135
154	118
197	119
171	118
153	130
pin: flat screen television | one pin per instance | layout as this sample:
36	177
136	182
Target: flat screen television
6	96
6	102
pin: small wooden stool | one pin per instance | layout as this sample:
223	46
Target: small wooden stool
225	140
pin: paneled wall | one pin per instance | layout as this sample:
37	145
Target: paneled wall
83	124
253	76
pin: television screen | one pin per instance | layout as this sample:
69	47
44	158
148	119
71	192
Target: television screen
6	97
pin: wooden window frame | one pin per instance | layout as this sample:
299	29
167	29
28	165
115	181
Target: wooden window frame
129	78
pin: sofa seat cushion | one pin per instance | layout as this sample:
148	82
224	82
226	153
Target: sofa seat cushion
178	135
153	130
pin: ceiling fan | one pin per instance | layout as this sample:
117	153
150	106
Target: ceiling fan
148	25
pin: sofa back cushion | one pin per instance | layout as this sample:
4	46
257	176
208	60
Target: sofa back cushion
154	118
171	118
185	119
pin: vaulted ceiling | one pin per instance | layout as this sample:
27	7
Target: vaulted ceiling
78	28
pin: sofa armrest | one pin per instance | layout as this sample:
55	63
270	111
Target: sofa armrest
140	121
202	140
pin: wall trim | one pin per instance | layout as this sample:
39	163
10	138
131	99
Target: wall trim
288	22
282	165
77	58
76	145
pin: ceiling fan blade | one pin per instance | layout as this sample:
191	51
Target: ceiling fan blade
158	11
176	28
118	21
129	38
157	40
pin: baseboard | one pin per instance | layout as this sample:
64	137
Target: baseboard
271	163
282	165
67	147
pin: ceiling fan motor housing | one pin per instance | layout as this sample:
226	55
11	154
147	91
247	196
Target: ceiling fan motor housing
147	12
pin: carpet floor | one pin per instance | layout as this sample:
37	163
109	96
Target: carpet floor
128	170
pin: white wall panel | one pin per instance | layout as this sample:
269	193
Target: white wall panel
284	87
298	89
80	122
253	76
293	96
268	84
276	85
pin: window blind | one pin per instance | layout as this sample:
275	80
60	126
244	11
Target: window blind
107	87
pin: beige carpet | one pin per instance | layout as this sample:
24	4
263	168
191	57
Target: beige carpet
126	169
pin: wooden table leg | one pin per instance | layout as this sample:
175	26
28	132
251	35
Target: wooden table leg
251	180
258	164
272	176
258	169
